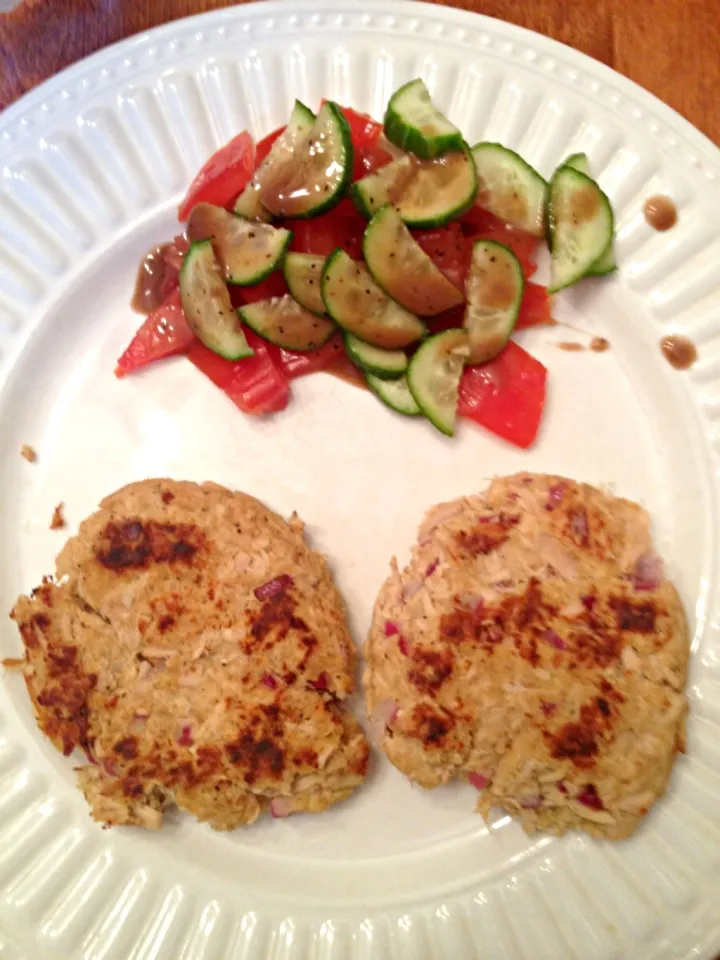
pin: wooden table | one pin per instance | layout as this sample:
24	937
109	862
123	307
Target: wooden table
668	46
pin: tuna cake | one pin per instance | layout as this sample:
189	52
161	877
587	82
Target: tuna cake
196	650
533	647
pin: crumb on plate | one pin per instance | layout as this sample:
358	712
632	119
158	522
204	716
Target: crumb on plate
58	517
28	452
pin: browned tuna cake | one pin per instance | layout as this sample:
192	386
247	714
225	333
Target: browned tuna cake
533	646
198	653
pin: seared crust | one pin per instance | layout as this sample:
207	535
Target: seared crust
532	644
155	656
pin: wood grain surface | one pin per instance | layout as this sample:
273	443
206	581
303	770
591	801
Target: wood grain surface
670	47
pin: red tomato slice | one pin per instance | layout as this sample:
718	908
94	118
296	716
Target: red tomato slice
224	175
449	320
506	396
341	227
256	384
272	286
175	251
535	308
449	249
164	333
368	160
344	368
301	364
479	224
478	221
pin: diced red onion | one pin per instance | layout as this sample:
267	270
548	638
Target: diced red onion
561	786
281	807
552	638
589	798
322	682
478	780
530	803
141	714
579	526
403	645
556	495
391	628
648	572
109	767
383	715
432	568
588	601
273	587
410	589
549	709
503	584
270	681
137	724
185	738
471	601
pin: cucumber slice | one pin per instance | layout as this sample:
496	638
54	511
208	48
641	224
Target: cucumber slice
206	304
282	321
382	364
579	162
413	123
319	173
580	226
248	203
426	193
402	268
434	375
509	187
494	289
394	394
303	275
248	252
356	303
606	262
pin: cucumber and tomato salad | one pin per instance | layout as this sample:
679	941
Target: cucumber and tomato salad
321	249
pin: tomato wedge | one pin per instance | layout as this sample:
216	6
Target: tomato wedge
535	308
301	364
450	250
175	252
506	396
257	385
164	333
341	227
272	286
368	160
479	224
224	175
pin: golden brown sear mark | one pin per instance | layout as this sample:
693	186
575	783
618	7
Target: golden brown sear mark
134	544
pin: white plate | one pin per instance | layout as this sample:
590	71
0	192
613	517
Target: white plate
93	164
